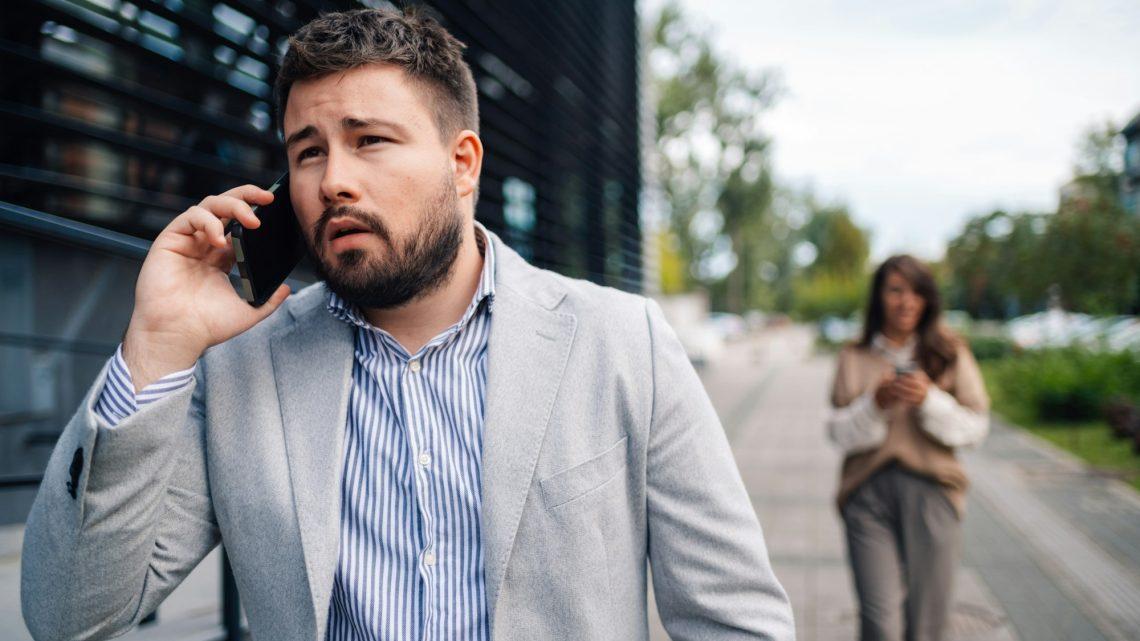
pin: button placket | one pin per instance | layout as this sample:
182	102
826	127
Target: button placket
419	433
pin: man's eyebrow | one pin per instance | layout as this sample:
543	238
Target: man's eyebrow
298	136
351	122
348	123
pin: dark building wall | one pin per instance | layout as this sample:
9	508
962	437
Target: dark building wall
122	114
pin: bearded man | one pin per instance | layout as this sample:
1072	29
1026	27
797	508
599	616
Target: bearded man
437	441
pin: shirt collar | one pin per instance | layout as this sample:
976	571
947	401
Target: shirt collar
899	355
351	314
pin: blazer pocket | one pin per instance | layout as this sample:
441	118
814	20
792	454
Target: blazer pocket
586	477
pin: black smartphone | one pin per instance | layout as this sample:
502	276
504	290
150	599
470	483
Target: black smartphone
266	255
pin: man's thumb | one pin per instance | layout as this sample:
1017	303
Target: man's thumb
274	302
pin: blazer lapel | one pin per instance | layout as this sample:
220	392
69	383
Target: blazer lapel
527	353
312	363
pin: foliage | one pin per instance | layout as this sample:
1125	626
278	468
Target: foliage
1086	254
991	348
711	158
1058	385
842	246
829	294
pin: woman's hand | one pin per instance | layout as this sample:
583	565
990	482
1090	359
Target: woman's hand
885	392
911	388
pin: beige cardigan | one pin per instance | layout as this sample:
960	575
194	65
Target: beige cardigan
911	437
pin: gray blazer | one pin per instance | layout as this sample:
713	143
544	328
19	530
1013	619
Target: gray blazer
601	452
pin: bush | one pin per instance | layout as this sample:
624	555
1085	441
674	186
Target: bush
1069	384
989	348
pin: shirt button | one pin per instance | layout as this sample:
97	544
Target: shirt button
425	459
414	366
429	559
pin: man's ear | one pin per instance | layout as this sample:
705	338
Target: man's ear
467	162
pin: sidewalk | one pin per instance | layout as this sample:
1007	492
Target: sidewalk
1051	550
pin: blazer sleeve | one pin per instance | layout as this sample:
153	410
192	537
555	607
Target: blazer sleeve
711	574
122	516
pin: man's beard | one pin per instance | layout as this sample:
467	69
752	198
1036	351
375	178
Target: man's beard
412	266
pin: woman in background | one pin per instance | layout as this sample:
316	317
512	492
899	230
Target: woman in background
905	397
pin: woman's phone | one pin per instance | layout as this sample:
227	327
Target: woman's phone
909	368
266	255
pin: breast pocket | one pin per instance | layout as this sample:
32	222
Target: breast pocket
585	478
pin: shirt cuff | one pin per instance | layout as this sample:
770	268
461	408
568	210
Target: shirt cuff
951	424
118	400
860	426
938	403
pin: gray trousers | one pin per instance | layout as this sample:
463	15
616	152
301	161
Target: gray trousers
904	540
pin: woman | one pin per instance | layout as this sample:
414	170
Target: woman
905	396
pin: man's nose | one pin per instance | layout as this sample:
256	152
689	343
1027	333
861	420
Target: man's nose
337	185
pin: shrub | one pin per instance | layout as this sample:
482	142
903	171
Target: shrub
1069	384
988	348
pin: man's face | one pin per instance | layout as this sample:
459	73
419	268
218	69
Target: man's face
372	185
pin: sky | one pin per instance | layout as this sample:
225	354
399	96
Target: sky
921	114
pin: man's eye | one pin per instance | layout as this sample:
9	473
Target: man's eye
370	140
308	153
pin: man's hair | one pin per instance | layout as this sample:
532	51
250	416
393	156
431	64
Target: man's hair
432	58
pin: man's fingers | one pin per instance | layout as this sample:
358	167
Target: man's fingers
222	258
228	207
251	194
197	219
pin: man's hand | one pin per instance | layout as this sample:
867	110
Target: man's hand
184	302
911	388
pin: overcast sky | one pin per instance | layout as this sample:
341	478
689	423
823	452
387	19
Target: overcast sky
921	113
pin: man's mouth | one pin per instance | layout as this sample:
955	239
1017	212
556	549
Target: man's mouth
341	227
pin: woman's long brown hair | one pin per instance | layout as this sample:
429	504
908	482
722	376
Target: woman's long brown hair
937	347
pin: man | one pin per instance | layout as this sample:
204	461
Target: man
438	441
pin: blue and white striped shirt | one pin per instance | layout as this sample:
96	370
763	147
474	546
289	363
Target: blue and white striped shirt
411	551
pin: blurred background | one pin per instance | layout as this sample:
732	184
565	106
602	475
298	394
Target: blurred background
746	163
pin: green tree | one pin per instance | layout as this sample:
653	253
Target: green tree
842	246
1004	264
995	267
834	283
712	159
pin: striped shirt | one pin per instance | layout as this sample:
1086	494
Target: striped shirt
411	553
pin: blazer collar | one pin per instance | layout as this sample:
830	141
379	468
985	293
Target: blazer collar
528	348
312	367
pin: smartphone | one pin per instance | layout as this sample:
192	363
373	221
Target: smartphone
266	255
909	368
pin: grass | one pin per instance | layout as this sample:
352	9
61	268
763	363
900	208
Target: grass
1091	441
1094	444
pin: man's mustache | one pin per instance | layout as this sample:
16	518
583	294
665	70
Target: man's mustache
372	223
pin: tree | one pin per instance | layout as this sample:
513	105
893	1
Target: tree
834	283
712	159
1003	265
